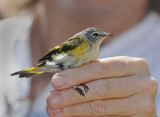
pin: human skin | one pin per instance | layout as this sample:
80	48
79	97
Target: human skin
119	86
123	87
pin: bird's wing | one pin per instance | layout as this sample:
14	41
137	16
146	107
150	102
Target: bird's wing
68	45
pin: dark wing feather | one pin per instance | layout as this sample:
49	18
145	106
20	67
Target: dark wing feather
70	44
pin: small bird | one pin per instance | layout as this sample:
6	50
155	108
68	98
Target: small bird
82	48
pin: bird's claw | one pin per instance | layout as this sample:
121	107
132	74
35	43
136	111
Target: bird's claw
85	87
80	91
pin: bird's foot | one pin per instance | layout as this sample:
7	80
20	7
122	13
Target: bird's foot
80	91
85	87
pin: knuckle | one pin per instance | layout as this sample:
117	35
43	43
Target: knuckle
142	62
148	107
98	107
142	65
100	68
146	84
103	88
97	68
66	110
150	85
71	94
70	74
154	86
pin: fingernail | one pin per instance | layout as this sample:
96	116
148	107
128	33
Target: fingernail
55	100
59	80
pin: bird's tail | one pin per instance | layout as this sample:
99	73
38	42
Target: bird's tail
29	72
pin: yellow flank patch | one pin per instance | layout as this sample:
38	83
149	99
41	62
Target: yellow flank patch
32	68
57	47
37	72
81	49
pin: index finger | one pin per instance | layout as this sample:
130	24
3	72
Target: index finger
104	68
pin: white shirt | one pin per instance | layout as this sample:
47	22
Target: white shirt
143	40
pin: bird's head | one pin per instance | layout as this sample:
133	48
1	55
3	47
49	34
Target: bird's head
94	35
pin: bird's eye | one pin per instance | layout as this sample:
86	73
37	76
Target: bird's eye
95	34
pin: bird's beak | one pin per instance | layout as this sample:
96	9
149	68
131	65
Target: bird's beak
109	34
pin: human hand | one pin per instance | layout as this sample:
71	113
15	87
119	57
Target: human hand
119	86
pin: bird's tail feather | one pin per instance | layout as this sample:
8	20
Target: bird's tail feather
29	72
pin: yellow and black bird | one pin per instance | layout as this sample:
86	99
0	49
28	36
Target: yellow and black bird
82	48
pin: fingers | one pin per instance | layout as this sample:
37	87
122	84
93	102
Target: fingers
110	107
98	89
119	86
105	68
